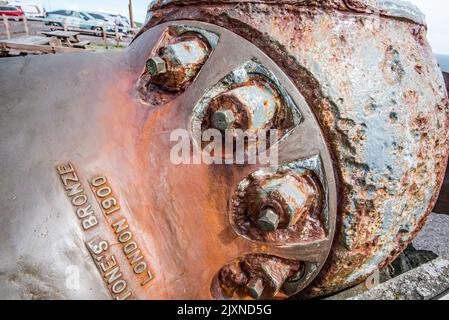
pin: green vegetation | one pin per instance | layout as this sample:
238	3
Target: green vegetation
102	46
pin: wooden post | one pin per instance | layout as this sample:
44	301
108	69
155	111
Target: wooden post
131	16
25	24
6	22
3	50
105	36
65	25
117	36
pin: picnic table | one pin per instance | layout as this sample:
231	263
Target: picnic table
35	44
67	38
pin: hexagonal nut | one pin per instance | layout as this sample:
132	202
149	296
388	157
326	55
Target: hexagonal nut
223	119
183	58
187	53
255	105
156	65
268	220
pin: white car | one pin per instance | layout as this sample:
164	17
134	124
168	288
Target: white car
30	9
77	19
123	26
103	17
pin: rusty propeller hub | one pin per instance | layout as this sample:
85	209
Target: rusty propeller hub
92	178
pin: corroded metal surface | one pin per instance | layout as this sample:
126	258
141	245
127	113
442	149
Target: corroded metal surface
261	103
296	192
254	104
375	88
87	183
389	8
231	71
257	276
442	205
183	59
104	194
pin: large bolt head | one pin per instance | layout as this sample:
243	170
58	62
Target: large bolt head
268	221
257	104
223	119
255	288
156	65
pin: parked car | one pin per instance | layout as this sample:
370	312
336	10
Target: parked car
122	27
109	25
29	9
11	11
76	19
121	21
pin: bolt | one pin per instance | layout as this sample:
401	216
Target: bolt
223	119
255	288
291	197
275	274
180	62
268	220
257	103
156	65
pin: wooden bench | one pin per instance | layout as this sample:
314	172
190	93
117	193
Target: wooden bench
67	38
32	40
6	48
33	44
82	44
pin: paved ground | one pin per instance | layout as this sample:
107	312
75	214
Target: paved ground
435	235
408	279
427	282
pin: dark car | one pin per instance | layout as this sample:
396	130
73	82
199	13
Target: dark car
11	11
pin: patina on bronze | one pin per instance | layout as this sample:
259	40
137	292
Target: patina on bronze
92	207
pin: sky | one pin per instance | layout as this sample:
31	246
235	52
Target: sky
436	11
437	17
111	6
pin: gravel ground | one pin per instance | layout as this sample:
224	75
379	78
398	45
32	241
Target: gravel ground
435	235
